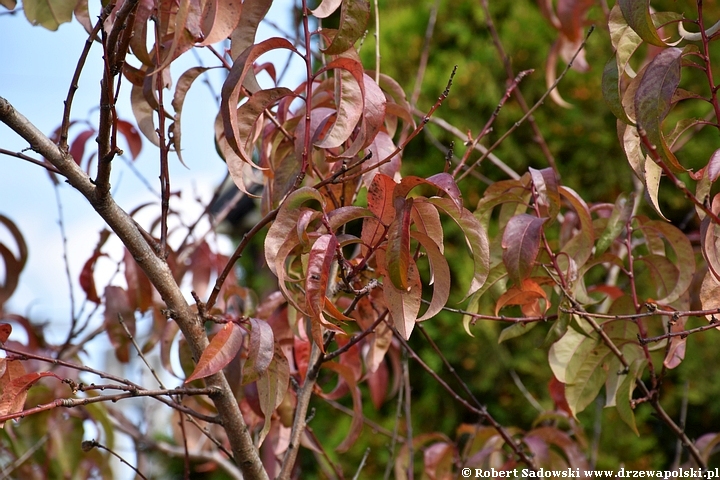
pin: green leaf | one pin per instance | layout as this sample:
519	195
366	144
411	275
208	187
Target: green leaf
625	392
272	387
624	40
611	90
637	15
354	16
516	330
616	223
497	274
49	13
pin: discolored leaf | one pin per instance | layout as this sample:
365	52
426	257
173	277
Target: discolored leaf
222	349
515	330
117	306
219	19
439	265
13	265
521	245
9	4
380	202
354	16
476	239
442	181
5	331
397	257
710	295
527	294
49	13
15	384
676	351
319	266
140	291
404	305
232	88
653	100
710	239
77	147
713	166
286	222
272	387
637	15
87	277
579	247
144	114
497	275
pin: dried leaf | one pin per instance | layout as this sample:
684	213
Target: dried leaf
219	19
439	265
144	114
349	101
710	295
223	347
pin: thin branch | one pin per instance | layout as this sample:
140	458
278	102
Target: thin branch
683	334
420	75
88	445
22	156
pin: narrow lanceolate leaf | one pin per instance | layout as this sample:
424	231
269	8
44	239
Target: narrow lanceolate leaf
380	202
219	19
710	295
319	267
260	350
397	257
713	166
286	222
232	89
354	16
653	100
624	40
521	245
404	305
117	305
222	349
497	275
443	181
272	387
476	239
527	295
253	12
183	85
611	90
546	186
616	223
625	393
637	15
243	125
144	114
49	13
350	85
676	351
439	266
132	137
427	220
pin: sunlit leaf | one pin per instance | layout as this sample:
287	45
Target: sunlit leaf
326	8
354	16
497	274
349	101
49	13
222	349
219	19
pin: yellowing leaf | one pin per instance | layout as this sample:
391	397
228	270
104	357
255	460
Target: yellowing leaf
404	305
49	13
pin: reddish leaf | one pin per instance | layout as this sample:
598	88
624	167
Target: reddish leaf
653	100
232	89
87	278
380	202
140	291
442	181
223	347
548	196
521	245
404	305
77	148
14	392
260	350
349	102
5	331
118	305
219	19
319	266
438	460
676	351
253	12
441	284
13	265
397	257
557	393
166	341
528	295
354	16
378	385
